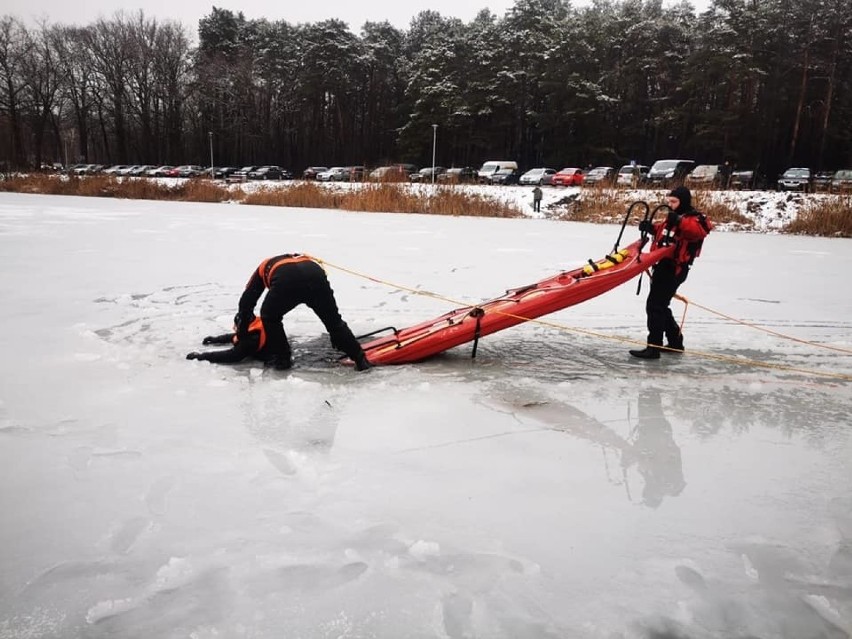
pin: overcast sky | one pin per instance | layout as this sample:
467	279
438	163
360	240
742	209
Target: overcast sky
355	12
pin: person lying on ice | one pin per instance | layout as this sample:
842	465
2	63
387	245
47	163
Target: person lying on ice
289	280
251	344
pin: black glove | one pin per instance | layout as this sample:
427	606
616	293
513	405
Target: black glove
242	323
646	226
206	342
193	355
672	220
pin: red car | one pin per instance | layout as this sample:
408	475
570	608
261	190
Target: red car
568	177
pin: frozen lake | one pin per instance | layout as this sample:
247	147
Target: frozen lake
553	487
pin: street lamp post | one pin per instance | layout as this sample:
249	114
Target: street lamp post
434	140
210	137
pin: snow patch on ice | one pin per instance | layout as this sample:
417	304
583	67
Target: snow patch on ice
422	549
105	609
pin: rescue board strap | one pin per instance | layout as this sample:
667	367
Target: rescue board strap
478	313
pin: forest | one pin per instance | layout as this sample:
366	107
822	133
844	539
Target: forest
761	84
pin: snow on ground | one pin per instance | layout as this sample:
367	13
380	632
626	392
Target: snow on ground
550	488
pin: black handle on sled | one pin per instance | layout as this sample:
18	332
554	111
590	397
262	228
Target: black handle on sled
627	219
376	332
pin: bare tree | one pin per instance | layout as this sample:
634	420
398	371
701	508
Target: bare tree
111	46
15	46
43	83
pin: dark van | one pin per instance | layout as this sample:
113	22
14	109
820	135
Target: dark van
669	172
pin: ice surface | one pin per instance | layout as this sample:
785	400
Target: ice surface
550	488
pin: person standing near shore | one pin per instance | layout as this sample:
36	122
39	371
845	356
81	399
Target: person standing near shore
537	199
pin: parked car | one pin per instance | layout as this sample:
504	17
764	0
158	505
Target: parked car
795	179
822	181
269	173
492	166
184	171
669	172
600	176
85	169
568	177
841	182
424	175
505	177
224	172
159	171
190	170
456	175
351	174
140	170
330	174
116	169
714	176
743	180
537	176
395	173
242	174
632	175
312	172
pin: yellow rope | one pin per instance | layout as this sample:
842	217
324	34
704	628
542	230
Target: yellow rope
723	358
830	347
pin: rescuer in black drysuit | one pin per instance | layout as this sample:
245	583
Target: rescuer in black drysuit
289	280
689	228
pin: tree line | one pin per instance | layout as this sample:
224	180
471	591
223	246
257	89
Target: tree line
757	83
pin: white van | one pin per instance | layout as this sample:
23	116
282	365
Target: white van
492	166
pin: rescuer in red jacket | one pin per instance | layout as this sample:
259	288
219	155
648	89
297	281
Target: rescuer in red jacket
289	280
687	228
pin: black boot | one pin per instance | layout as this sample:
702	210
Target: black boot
361	363
676	345
649	352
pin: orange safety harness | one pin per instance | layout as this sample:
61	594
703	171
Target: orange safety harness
256	326
269	266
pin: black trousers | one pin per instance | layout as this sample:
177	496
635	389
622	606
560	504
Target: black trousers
664	284
303	283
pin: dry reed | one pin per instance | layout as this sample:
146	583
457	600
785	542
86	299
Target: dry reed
608	205
127	188
829	217
387	198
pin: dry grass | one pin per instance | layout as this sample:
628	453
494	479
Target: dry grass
375	197
108	186
388	198
206	191
830	217
721	211
37	183
597	205
608	205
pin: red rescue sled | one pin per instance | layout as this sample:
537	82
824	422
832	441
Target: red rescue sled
516	306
